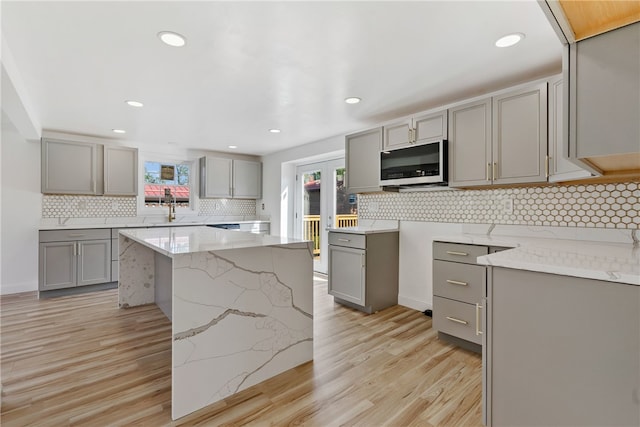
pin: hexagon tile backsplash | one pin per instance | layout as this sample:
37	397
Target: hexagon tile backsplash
593	205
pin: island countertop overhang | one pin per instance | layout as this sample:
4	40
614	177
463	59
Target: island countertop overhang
185	240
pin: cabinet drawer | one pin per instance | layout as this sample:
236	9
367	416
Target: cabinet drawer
455	318
458	252
463	282
347	240
70	235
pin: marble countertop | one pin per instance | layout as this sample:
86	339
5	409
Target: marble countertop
612	262
145	224
185	240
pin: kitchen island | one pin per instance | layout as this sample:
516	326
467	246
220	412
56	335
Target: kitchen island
240	304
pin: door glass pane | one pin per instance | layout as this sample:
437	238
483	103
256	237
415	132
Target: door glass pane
311	209
346	205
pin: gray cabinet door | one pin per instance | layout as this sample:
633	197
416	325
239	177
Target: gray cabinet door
215	177
347	274
57	267
247	179
519	130
396	135
430	127
561	350
362	159
605	93
120	171
470	144
94	262
68	167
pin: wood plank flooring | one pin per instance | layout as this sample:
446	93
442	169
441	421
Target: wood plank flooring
80	361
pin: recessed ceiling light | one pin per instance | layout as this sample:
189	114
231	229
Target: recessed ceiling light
509	40
135	103
352	100
119	130
233	146
274	130
172	39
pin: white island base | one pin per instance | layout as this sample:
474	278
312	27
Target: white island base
241	305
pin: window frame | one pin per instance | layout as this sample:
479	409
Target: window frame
192	210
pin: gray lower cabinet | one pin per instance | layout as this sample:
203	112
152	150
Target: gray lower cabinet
70	258
362	160
363	269
561	350
458	287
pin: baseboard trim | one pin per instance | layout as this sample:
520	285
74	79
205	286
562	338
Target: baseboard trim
18	288
414	303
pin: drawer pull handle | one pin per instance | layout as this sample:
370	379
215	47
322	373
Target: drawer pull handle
77	235
455	282
344	240
457	253
478	308
453	319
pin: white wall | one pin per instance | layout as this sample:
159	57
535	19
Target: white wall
278	180
21	206
416	250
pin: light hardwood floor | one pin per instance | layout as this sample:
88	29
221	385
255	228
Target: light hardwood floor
79	360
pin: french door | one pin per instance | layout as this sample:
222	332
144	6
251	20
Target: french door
322	203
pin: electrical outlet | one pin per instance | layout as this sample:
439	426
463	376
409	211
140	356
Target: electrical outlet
373	206
115	206
82	205
507	206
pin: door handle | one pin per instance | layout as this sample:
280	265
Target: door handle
344	240
478	308
457	253
453	319
455	282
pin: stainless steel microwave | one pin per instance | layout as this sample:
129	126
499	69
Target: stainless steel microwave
415	165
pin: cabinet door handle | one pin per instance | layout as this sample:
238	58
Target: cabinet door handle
344	240
453	319
75	249
488	171
457	253
546	166
364	260
493	171
455	282
76	235
478	308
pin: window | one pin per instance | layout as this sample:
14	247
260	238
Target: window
163	177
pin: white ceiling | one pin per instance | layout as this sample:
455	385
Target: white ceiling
251	66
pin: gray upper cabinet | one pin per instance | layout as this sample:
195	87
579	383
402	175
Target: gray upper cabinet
417	130
120	171
560	169
362	159
499	140
215	177
519	130
68	167
470	144
228	178
247	179
604	99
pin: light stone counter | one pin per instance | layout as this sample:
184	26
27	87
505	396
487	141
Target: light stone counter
607	261
241	305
